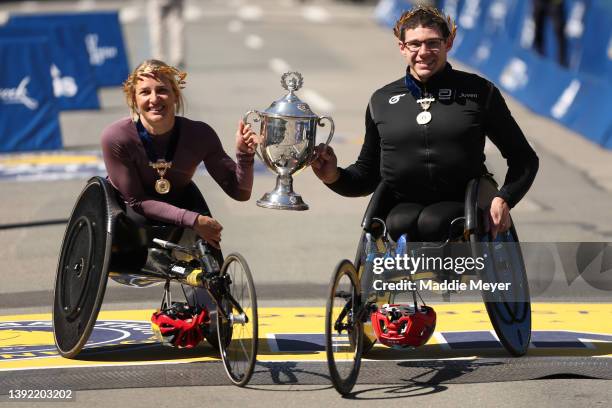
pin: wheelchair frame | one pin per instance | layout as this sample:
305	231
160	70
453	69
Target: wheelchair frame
83	270
510	319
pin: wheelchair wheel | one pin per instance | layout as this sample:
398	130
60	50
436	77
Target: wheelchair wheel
368	343
510	310
82	271
238	333
344	328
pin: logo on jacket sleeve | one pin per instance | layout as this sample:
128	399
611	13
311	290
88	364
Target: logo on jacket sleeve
395	99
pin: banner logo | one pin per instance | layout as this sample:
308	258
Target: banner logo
566	99
470	14
63	86
98	55
515	76
19	95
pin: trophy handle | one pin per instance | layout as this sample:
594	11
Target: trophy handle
245	120
331	130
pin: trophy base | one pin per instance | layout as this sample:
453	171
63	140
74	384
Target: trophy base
283	197
282	202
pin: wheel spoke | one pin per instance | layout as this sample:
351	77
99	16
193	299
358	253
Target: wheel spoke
239	352
343	331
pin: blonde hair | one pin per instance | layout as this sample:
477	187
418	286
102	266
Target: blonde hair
158	69
425	16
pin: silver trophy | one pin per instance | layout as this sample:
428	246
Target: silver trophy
289	129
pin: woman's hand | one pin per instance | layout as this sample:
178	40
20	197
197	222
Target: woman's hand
246	139
209	230
499	216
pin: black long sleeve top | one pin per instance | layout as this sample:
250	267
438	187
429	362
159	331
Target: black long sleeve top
434	162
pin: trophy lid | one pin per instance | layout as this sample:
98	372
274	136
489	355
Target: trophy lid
290	104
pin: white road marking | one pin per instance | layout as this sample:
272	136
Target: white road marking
250	13
441	341
316	14
86	5
253	41
235	26
287	3
29	6
272	344
279	66
130	14
192	13
316	101
235	3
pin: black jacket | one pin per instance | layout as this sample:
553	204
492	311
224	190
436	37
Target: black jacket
434	162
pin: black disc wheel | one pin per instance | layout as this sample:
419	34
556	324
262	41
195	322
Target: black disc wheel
237	330
344	328
82	270
509	310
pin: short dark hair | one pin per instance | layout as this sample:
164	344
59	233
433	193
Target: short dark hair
424	16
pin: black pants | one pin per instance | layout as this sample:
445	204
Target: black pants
423	223
555	10
425	217
192	200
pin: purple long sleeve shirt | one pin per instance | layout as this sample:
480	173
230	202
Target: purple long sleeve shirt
129	171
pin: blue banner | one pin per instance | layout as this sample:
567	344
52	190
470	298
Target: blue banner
497	36
29	119
72	77
103	40
387	12
597	51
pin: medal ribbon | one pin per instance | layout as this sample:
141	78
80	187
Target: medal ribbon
414	89
147	142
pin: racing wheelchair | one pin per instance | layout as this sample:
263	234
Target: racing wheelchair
101	241
357	315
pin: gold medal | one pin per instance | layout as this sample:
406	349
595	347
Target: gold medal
162	186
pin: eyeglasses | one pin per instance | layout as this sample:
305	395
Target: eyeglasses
432	44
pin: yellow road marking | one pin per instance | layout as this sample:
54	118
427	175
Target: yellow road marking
48	159
590	318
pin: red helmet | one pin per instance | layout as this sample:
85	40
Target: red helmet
400	326
180	325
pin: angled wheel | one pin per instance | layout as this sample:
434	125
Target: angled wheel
509	310
82	270
344	328
238	331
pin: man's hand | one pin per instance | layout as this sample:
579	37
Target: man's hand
325	166
499	216
246	139
209	229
